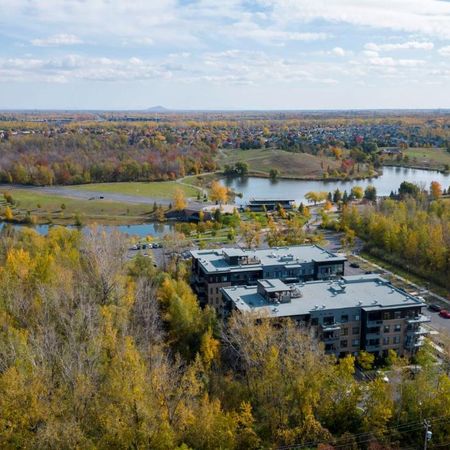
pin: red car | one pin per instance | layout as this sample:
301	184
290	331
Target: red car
445	314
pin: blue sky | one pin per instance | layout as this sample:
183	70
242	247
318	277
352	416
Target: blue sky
224	54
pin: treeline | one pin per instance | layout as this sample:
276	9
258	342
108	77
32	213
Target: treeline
413	233
73	157
100	352
81	148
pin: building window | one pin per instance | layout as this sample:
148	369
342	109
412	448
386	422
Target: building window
397	328
386	341
314	321
396	340
355	330
328	320
344	318
356	318
344	331
355	342
344	343
386	328
397	315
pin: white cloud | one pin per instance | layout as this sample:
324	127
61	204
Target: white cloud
399	46
338	51
388	61
444	51
427	17
57	40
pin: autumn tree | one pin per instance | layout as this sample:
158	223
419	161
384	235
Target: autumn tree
219	192
179	200
9	216
435	190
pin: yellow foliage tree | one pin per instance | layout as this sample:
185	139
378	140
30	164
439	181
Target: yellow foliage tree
179	200
219	192
9	216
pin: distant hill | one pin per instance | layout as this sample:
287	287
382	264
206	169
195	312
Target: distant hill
157	108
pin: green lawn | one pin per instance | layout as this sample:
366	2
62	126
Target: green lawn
434	158
61	209
154	189
429	155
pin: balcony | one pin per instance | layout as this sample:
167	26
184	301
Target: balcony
419	319
331	327
330	338
374	323
373	335
419	331
411	344
373	347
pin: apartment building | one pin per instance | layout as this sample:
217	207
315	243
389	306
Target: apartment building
217	268
361	312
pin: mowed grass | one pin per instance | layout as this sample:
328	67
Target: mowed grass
154	189
432	156
61	209
289	164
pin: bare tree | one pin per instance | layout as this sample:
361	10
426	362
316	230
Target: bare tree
103	256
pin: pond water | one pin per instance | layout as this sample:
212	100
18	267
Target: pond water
141	230
296	189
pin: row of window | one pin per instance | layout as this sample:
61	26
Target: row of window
344	331
344	319
391	315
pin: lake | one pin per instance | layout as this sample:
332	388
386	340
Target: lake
141	230
296	189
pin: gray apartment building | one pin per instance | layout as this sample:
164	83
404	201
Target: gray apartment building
361	312
216	268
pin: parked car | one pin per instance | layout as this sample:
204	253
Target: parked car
354	265
444	313
434	307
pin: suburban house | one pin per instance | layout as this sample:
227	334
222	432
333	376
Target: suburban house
216	268
361	312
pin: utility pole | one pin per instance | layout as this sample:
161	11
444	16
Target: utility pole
428	434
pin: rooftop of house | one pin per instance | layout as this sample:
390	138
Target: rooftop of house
367	292
217	260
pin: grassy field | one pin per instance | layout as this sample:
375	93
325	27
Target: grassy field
433	158
289	164
429	155
154	189
63	210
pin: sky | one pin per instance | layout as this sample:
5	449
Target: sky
224	54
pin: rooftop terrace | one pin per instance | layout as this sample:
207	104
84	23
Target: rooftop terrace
217	260
368	292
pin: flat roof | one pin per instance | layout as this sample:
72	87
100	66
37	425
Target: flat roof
274	285
213	260
368	292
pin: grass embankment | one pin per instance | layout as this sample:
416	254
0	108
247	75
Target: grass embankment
289	165
426	158
46	208
154	189
421	281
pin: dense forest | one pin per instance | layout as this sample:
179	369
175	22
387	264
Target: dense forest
56	148
97	351
411	230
